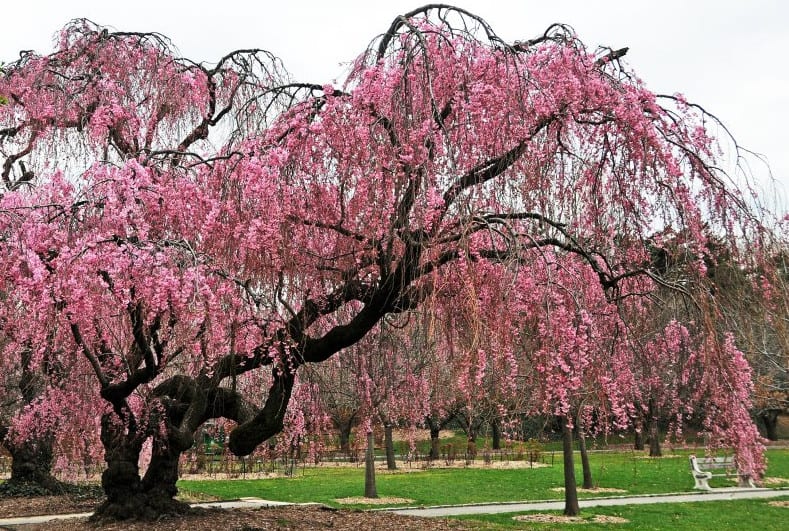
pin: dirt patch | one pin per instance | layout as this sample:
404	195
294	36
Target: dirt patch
383	500
594	491
281	518
460	463
782	503
606	519
37	505
775	481
224	476
560	519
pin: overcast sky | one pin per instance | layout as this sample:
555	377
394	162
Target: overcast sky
730	56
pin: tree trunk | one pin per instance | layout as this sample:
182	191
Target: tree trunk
159	482
31	459
345	436
435	443
121	479
468	427
31	466
128	496
770	419
435	430
638	440
571	507
495	430
391	464
369	468
587	469
654	432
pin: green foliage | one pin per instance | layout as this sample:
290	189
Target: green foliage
630	471
734	514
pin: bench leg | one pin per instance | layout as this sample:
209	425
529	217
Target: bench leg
702	482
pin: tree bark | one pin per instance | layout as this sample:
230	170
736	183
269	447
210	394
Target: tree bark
31	466
435	443
162	475
587	469
654	432
638	439
770	419
121	479
495	429
128	496
345	437
391	463
31	459
435	430
369	468
571	507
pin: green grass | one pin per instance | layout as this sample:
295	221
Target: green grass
624	470
735	514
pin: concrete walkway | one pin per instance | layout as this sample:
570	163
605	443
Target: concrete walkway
733	493
485	508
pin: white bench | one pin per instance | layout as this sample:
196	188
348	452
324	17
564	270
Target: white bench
702	467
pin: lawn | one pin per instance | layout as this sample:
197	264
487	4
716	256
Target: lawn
626	470
760	514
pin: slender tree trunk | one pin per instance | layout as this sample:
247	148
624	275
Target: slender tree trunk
587	469
638	440
468	427
435	443
571	507
654	432
495	429
391	464
345	436
369	468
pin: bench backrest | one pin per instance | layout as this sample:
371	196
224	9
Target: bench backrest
713	462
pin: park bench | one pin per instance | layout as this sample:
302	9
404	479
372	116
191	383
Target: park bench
706	468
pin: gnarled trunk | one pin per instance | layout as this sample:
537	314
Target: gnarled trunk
31	466
31	458
121	479
161	477
130	497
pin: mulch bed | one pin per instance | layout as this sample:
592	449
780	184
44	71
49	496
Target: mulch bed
281	518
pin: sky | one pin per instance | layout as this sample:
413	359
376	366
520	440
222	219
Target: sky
729	56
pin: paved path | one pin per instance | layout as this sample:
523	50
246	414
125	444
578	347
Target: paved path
487	508
733	493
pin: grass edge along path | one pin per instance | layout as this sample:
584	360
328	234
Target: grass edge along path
763	514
